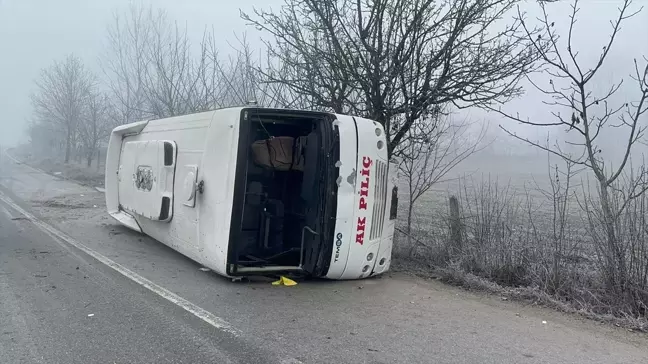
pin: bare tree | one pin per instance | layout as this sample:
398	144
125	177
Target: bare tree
62	92
153	70
590	115
125	63
427	159
46	139
242	82
557	240
172	78
395	61
96	124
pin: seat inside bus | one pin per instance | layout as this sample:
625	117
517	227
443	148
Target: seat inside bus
280	187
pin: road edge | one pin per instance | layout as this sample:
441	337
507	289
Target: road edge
62	238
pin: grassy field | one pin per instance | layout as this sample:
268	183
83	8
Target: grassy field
515	178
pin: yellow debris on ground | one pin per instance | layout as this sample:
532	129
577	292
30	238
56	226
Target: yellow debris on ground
283	281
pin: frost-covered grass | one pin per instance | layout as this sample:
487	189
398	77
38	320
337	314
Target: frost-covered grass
517	233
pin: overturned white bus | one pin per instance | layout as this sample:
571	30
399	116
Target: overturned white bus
255	191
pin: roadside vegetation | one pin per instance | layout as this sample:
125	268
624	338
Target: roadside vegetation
576	240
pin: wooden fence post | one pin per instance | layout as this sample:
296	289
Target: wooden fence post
455	227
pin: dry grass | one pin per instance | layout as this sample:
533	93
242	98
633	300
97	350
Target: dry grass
531	295
537	245
75	170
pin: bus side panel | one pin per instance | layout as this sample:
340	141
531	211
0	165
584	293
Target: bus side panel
189	134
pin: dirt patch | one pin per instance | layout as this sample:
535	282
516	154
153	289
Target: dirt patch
80	173
529	295
84	176
65	205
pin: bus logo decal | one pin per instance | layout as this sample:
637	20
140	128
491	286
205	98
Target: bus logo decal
364	194
338	243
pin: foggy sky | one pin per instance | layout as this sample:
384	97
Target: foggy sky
34	33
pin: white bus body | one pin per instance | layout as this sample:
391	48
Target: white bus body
196	184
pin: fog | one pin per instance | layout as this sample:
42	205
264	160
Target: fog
485	207
34	33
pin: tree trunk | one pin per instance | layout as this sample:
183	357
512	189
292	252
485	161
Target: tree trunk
68	147
89	158
615	257
410	241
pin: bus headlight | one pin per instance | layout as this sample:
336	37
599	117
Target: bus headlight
378	132
380	144
369	257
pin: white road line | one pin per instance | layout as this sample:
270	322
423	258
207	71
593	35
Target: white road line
6	212
62	238
16	161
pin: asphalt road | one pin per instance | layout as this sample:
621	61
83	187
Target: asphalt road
58	305
45	302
